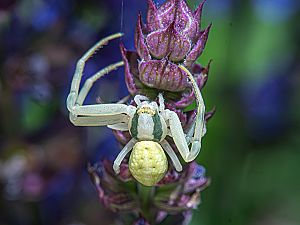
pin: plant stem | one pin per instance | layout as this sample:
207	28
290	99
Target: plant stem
146	195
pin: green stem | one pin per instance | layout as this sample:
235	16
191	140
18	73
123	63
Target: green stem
146	196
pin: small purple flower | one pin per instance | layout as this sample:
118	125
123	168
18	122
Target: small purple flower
177	193
110	190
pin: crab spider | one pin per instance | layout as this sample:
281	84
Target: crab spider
148	121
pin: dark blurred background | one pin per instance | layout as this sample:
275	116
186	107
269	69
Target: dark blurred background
251	150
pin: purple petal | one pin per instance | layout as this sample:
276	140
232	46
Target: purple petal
198	12
210	114
178	11
159	43
162	74
194	27
180	45
171	177
184	19
202	78
166	13
198	48
192	31
186	99
191	116
196	68
161	215
129	79
168	42
124	174
140	44
122	137
152	17
188	215
197	179
181	115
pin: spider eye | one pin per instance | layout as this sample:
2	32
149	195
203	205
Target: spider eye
146	109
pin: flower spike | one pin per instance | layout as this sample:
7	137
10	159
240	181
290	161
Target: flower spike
157	123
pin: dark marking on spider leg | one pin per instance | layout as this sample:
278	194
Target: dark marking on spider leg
157	131
134	126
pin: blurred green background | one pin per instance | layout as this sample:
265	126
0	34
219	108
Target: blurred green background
251	150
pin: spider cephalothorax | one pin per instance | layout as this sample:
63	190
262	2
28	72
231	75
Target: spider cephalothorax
148	123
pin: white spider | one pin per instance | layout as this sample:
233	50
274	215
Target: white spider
146	122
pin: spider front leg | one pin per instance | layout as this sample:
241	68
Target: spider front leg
200	128
191	130
73	96
139	98
197	130
94	115
161	102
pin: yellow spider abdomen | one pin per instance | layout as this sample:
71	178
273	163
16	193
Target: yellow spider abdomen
148	162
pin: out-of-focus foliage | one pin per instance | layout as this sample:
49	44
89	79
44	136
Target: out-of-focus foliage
251	151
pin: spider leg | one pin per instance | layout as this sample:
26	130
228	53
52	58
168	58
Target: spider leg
200	128
101	115
178	134
127	148
124	99
90	81
78	109
72	98
199	120
139	98
99	120
167	147
119	126
94	115
195	134
161	102
190	133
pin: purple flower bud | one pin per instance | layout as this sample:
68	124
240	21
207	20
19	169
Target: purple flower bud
140	44
163	73
198	48
171	36
113	195
196	179
170	32
169	43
